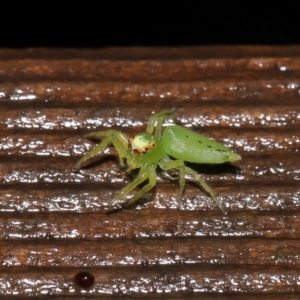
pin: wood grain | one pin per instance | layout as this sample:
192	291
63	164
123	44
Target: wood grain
54	221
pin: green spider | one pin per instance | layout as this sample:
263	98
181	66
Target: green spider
168	150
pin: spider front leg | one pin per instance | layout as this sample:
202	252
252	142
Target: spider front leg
156	121
167	164
146	172
118	139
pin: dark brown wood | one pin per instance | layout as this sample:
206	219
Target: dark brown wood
54	221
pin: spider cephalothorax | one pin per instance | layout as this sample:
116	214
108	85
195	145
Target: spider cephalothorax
168	150
142	143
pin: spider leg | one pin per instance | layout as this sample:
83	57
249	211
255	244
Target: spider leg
145	173
205	187
98	135
167	164
145	188
118	139
156	121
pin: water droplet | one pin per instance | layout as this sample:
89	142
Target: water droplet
84	279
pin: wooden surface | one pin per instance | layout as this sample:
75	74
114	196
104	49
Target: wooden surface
54	221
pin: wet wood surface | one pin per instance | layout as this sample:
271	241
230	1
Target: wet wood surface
54	221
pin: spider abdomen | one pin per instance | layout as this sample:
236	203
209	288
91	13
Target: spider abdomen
181	143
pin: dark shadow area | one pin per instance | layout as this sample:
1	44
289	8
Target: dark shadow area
216	169
190	23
